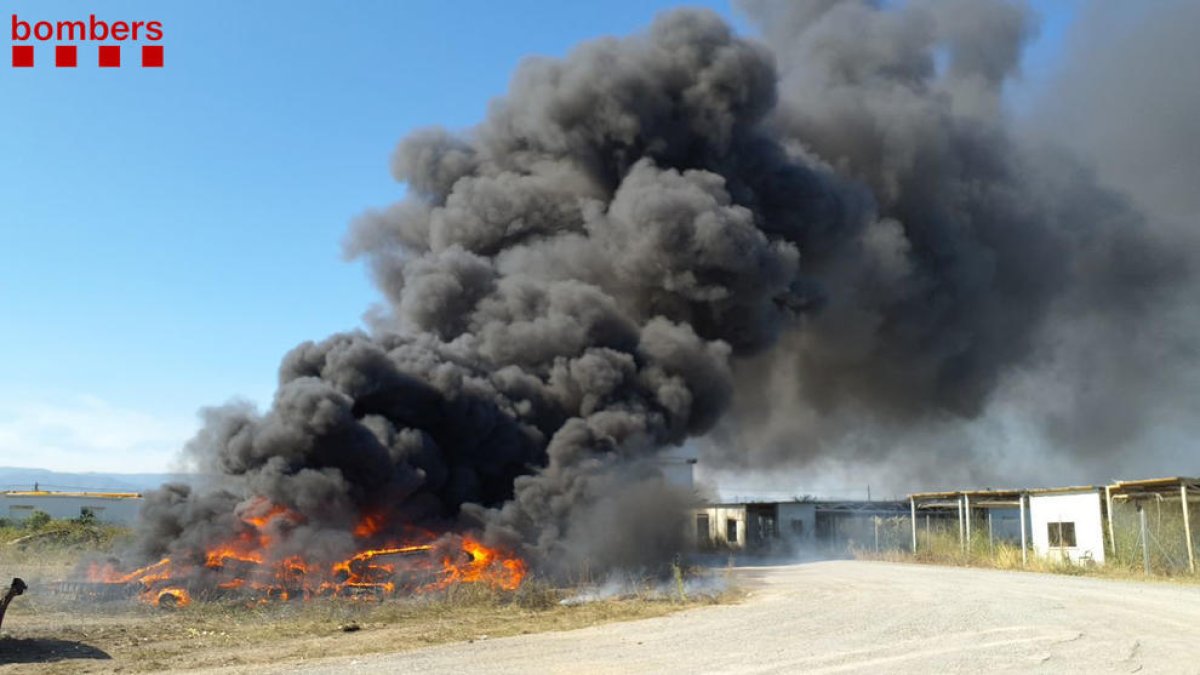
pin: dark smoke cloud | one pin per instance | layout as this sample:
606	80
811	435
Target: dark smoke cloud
827	229
1037	303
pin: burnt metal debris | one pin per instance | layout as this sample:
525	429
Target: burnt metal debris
17	587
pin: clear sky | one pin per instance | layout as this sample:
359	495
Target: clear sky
167	235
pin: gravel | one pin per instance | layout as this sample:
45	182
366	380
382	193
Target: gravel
850	616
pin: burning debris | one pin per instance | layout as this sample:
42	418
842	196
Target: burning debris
247	567
611	260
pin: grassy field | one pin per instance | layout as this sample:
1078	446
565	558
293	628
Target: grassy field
49	633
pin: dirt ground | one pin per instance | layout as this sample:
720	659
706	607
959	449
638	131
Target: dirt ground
858	617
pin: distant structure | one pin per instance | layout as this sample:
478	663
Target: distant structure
778	526
109	507
1082	524
678	471
1150	523
1068	523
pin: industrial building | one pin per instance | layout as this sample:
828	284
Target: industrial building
778	526
109	507
1083	524
1140	522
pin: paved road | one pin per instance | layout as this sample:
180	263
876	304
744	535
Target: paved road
838	617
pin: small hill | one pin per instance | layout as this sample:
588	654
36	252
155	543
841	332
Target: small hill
19	478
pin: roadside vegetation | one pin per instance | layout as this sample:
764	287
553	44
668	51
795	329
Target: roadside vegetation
41	547
944	548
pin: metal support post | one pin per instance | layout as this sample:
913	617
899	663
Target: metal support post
1187	527
1024	546
912	506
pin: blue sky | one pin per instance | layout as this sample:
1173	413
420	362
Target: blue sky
167	235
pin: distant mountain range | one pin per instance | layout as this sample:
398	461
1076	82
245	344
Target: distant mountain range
15	478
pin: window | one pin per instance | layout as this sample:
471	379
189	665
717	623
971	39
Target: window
702	527
1062	535
731	530
797	527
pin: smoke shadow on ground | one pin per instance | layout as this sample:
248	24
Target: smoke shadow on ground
47	650
625	585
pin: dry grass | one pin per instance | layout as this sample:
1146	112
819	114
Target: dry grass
210	634
50	551
45	633
943	548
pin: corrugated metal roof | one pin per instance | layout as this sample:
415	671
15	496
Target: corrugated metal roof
1151	483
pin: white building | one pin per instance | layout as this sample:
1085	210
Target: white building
1068	523
109	507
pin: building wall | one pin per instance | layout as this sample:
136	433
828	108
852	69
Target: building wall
19	506
718	526
797	521
678	473
1081	508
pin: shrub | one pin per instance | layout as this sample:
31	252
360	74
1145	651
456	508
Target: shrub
38	520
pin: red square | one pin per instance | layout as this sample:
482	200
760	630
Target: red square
110	56
152	56
22	56
64	56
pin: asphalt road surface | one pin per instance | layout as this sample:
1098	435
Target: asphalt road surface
857	617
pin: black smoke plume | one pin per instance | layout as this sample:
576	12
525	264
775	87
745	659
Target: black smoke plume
658	229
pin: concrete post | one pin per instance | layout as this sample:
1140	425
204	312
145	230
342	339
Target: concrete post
1024	547
967	512
1145	538
1187	527
962	544
991	536
1112	537
912	506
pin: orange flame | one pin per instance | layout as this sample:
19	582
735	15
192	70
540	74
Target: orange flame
170	596
248	565
369	525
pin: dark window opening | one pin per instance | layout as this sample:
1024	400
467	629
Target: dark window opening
764	528
1062	535
731	530
702	527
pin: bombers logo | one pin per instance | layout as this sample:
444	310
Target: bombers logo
27	34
